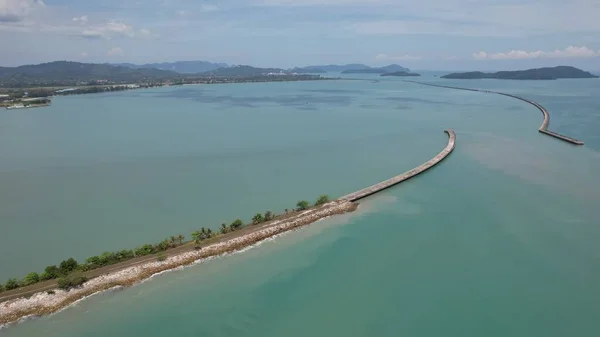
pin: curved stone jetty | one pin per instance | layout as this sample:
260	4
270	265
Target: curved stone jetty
365	192
543	128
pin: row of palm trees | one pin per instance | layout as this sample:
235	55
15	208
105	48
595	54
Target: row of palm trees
70	266
66	268
206	233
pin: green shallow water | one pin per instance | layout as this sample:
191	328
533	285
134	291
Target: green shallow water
500	239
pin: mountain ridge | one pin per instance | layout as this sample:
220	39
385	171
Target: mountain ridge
546	73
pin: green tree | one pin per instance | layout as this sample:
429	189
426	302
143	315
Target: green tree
258	218
237	224
45	276
72	280
302	205
68	266
180	239
31	278
11	284
93	261
173	241
322	200
198	236
224	228
163	245
125	254
269	216
1	288
146	249
107	258
52	271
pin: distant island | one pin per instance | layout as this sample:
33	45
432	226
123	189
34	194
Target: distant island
401	74
392	68
352	68
549	73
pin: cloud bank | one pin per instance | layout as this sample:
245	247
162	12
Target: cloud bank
569	52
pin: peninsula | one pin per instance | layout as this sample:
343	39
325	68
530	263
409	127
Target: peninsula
62	285
552	73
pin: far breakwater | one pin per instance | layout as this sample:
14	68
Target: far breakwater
543	128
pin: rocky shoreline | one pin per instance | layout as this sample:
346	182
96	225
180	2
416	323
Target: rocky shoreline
43	303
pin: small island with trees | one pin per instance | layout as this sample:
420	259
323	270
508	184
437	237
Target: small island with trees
381	70
548	73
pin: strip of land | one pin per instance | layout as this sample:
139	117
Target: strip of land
543	128
365	192
44	298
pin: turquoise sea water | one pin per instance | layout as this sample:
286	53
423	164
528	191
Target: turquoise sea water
498	240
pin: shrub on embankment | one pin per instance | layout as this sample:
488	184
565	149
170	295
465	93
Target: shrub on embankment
72	280
69	272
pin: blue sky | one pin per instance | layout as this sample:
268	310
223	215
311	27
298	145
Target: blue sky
426	34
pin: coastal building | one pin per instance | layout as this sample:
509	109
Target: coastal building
65	90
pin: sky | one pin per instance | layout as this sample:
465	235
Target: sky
425	34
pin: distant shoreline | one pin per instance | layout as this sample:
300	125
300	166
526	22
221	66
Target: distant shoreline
50	91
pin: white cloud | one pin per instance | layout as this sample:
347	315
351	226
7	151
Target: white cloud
83	54
17	10
182	13
397	57
83	19
569	52
112	29
306	3
208	8
116	51
145	33
92	34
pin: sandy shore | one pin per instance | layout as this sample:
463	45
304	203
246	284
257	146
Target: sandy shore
43	303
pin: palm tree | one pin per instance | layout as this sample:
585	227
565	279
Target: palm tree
302	205
237	224
322	200
224	228
197	236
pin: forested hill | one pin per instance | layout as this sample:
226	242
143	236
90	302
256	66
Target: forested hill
552	73
183	67
73	73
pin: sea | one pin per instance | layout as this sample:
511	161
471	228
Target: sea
500	239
